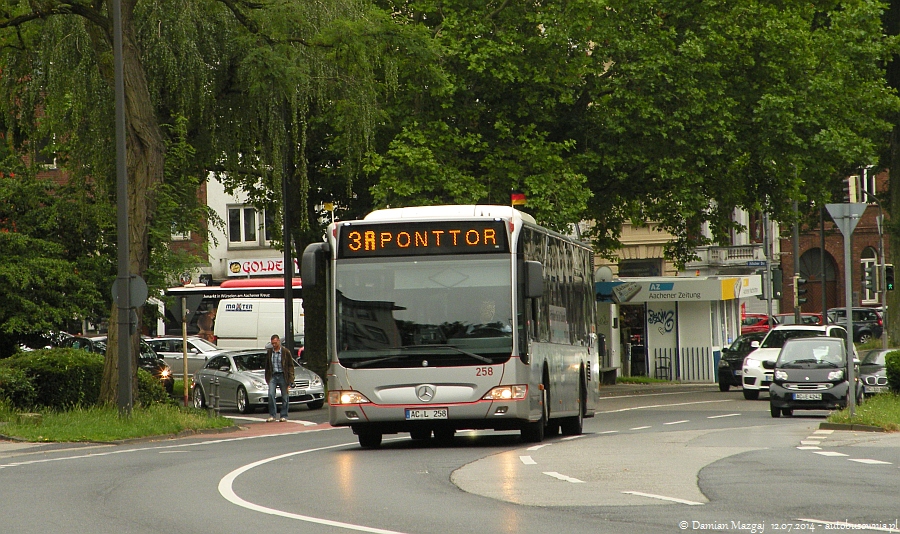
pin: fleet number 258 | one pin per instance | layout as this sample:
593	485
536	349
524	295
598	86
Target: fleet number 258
484	371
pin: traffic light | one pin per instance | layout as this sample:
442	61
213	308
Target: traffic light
850	189
799	290
889	277
777	283
870	281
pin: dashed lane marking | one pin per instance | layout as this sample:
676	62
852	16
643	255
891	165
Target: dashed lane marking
562	477
868	461
677	422
723	415
829	453
570	438
639	428
527	460
664	498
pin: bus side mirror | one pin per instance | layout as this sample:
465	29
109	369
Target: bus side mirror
312	255
534	280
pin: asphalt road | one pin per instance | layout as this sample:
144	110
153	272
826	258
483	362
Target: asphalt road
666	460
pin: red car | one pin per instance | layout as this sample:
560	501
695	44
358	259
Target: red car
754	322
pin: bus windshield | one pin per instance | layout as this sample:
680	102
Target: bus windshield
424	311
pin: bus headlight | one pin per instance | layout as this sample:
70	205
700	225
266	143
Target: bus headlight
339	397
506	393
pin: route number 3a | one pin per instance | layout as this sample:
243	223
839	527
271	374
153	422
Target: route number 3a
484	371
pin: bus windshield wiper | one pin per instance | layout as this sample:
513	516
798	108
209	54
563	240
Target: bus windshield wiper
357	365
460	351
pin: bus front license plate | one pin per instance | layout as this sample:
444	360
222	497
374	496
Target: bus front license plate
426	414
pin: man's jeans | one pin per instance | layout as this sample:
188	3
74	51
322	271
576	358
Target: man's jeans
278	381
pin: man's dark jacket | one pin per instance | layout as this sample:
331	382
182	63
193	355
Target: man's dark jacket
287	365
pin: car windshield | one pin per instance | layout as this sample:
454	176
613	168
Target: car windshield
402	310
874	357
819	354
776	338
204	345
250	362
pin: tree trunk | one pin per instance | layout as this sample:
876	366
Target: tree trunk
891	24
145	158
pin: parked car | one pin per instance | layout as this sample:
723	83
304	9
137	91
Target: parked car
733	359
811	374
238	379
754	322
759	364
872	375
805	318
867	322
148	359
171	349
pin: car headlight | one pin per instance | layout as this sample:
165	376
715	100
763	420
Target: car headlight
781	375
751	362
165	373
836	375
316	382
506	393
723	363
258	384
346	397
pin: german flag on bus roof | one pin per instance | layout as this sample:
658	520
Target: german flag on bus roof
517	198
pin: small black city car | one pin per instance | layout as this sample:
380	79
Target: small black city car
729	368
810	374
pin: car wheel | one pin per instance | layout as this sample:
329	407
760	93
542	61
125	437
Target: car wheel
787	412
316	405
199	403
723	386
241	402
776	412
864	337
751	394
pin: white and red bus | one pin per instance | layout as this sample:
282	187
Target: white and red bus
445	318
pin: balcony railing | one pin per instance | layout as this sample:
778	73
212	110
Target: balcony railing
716	256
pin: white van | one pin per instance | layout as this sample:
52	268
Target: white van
249	323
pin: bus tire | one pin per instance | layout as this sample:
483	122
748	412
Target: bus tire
369	439
444	436
573	426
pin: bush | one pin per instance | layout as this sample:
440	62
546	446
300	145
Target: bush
892	368
151	390
62	378
16	388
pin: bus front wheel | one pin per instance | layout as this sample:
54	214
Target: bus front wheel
369	439
534	432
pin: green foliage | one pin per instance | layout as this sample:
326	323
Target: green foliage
881	410
62	378
16	388
892	369
150	390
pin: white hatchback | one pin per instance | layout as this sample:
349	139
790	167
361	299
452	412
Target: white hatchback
760	364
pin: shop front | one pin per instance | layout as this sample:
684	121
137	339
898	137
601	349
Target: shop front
671	328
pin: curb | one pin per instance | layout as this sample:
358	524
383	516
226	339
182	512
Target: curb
850	427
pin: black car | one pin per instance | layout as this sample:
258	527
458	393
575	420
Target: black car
148	359
733	358
872	375
867	322
810	374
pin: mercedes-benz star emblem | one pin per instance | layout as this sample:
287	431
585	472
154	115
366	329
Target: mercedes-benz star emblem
425	393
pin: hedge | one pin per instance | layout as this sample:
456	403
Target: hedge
892	369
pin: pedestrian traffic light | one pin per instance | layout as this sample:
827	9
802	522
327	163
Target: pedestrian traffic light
850	189
889	277
799	290
869	280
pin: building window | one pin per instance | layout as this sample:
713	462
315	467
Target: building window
248	226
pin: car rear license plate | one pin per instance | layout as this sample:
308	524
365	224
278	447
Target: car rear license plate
807	396
426	414
876	389
738	372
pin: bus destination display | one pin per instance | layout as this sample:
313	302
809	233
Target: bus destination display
422	238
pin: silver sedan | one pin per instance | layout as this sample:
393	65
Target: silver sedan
236	379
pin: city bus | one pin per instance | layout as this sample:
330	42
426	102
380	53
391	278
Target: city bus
445	318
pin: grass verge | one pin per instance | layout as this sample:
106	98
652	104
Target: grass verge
882	410
642	380
103	424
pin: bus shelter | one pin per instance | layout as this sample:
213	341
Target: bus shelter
674	328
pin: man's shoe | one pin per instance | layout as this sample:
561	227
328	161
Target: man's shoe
269	420
284	419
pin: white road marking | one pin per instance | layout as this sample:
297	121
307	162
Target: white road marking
665	405
810	448
664	498
263	419
564	478
884	527
639	428
225	489
536	447
810	442
677	422
725	415
830	453
868	461
527	460
570	438
824	432
609	432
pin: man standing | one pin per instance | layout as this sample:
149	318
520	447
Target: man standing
279	373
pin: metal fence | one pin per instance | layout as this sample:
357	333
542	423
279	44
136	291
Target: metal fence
689	364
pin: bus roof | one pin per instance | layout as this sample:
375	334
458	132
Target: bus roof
450	212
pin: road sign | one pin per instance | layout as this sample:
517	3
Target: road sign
756	263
